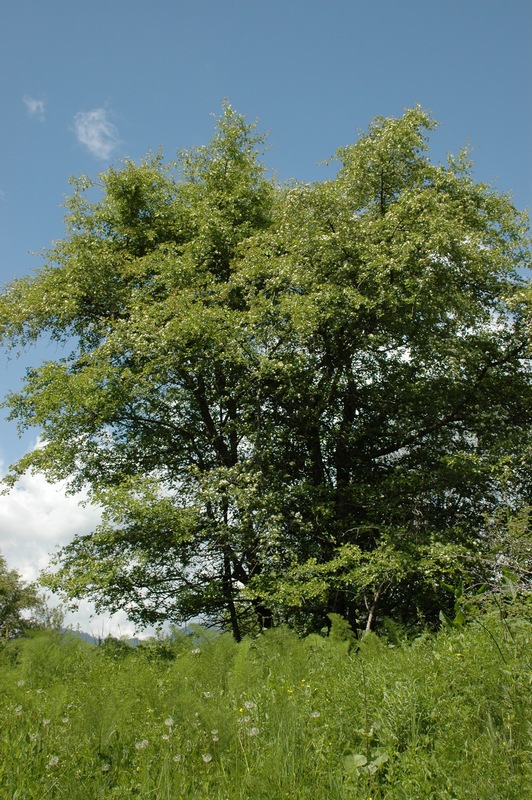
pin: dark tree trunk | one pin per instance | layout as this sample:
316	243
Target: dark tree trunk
228	594
265	616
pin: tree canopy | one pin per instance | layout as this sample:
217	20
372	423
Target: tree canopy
21	605
289	399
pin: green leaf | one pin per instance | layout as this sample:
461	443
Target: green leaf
353	761
382	758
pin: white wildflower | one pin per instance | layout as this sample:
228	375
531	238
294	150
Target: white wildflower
141	745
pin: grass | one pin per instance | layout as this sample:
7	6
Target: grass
444	717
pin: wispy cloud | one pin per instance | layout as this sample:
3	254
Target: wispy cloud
94	130
35	108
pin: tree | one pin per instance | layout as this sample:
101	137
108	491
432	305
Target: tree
16	600
290	400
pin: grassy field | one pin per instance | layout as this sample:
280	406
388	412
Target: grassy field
443	716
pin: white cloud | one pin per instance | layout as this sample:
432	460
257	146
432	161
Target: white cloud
35	518
96	132
35	108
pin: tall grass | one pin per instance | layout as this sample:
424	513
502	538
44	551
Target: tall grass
443	717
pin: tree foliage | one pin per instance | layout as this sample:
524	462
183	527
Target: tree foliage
21	605
290	400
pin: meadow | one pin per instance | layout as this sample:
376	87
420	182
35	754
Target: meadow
443	716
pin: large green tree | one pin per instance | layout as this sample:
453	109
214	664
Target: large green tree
288	399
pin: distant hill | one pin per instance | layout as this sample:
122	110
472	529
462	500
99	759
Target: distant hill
88	637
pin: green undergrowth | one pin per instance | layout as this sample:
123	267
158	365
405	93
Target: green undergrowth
444	716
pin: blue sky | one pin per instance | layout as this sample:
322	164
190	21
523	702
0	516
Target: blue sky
86	84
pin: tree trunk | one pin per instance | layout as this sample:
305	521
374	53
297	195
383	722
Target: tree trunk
264	614
228	594
373	607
